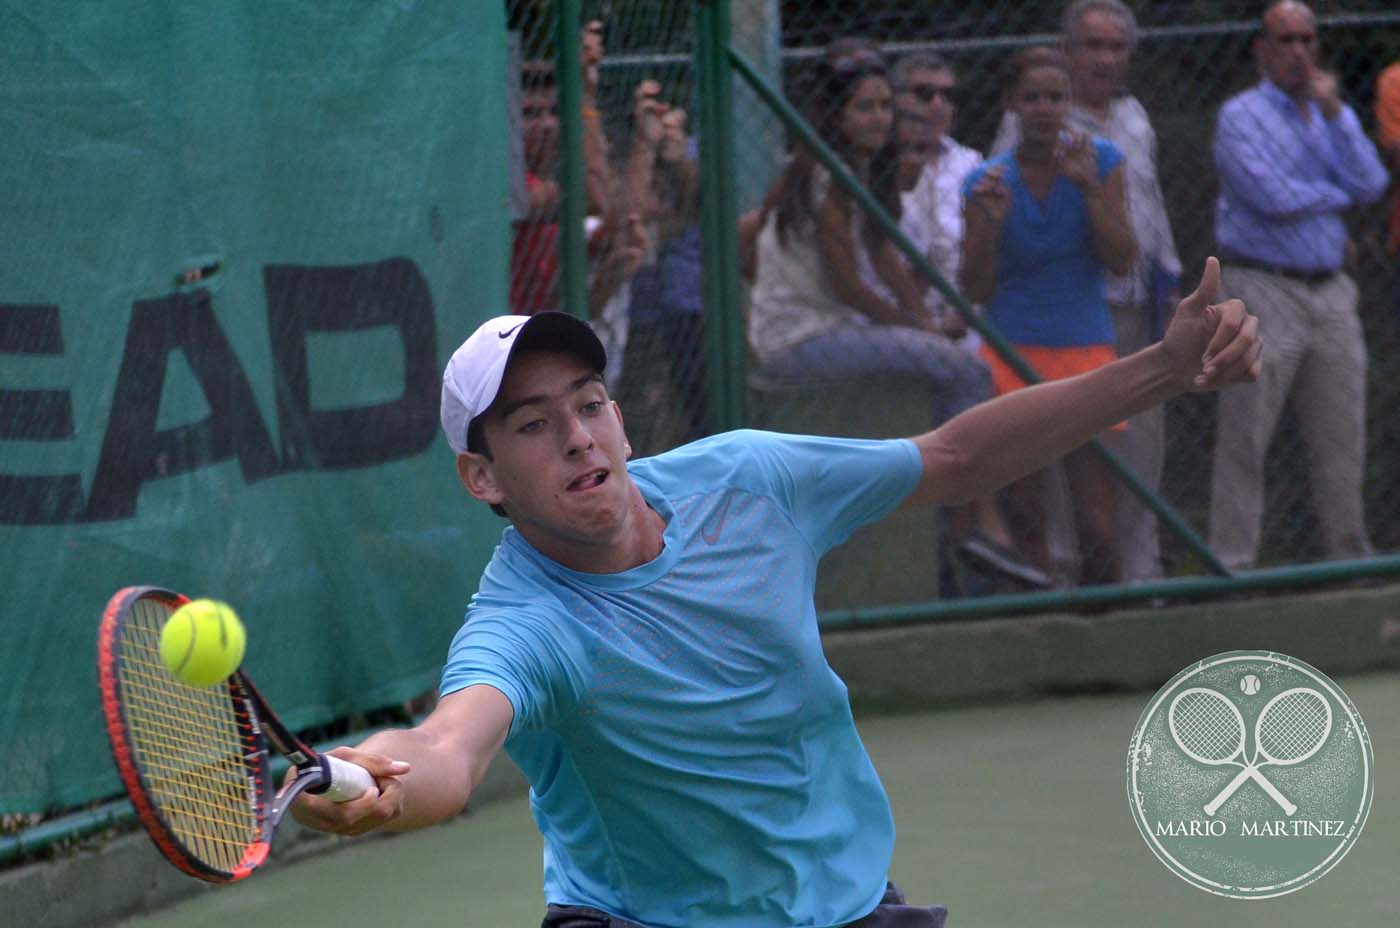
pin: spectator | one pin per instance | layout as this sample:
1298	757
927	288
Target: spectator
600	184
846	49
931	168
925	87
1388	120
534	267
808	283
913	142
666	314
1292	159
1045	222
915	153
625	240
1098	37
812	314
616	252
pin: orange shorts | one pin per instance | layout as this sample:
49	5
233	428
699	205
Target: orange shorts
1049	363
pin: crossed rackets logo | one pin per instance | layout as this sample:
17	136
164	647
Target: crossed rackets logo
1209	729
1208	711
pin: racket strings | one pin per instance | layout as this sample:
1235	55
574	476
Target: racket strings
1294	727
190	745
1206	726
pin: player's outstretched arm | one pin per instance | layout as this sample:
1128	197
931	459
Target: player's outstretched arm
425	774
1207	346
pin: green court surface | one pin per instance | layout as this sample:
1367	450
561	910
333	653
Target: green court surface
1013	814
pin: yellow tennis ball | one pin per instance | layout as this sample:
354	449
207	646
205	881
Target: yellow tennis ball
202	642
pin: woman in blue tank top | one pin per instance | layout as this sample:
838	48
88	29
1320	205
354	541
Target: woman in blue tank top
1043	224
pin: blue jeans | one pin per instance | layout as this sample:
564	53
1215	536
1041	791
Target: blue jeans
957	379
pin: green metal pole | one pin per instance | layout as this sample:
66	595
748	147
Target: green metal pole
1176	588
568	79
725	340
842	175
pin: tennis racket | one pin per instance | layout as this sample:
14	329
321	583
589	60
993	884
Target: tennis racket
1291	727
195	762
1209	729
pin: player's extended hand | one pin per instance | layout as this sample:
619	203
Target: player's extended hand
358	815
1212	345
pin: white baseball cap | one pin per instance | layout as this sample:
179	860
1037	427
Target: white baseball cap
473	375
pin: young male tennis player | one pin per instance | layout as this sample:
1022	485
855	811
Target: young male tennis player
644	642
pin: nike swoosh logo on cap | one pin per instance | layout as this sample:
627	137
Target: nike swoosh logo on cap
510	331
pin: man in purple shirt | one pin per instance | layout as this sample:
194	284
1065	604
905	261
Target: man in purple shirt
1292	158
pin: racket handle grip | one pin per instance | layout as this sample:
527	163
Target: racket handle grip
346	780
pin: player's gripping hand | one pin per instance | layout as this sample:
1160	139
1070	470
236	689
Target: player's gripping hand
1212	345
360	815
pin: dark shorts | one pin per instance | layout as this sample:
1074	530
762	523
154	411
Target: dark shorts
892	912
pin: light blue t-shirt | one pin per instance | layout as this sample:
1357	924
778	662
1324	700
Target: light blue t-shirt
1051	288
692	757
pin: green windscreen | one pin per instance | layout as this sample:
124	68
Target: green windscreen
240	242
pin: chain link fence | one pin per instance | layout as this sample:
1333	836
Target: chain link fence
887	87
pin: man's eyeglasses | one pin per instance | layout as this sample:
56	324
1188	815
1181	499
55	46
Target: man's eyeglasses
926	92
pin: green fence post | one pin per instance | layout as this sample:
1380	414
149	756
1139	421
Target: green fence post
568	78
758	140
725	340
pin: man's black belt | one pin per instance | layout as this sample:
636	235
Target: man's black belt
1311	278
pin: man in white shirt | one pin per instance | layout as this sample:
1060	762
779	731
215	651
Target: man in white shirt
1099	36
925	87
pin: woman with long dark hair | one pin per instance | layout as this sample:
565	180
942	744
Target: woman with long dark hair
812	318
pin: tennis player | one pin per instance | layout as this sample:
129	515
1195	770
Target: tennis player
644	642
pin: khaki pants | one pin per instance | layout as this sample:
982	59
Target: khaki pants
1314	358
